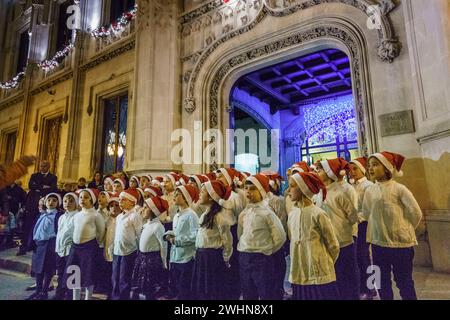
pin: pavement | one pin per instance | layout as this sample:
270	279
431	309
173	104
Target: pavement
15	271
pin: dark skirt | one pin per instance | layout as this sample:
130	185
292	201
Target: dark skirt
83	256
147	274
232	277
44	257
208	276
327	291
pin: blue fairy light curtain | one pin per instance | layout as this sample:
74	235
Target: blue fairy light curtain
330	120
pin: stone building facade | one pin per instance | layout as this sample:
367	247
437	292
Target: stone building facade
177	61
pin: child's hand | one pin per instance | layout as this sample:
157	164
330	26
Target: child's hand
227	265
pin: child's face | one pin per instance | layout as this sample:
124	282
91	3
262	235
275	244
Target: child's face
355	172
134	184
144	182
146	212
323	175
126	204
86	200
114	209
179	199
193	183
102	201
222	179
376	169
252	193
294	190
81	182
69	204
51	203
168	185
204	196
117	187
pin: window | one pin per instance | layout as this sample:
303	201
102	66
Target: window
64	34
114	134
51	141
23	51
118	7
10	147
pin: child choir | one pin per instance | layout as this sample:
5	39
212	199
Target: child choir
227	235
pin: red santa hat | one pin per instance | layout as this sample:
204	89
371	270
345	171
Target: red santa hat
122	182
109	180
335	168
73	195
230	174
218	191
54	195
157	181
155	192
301	166
107	195
130	194
174	178
184	179
113	199
274	177
211	176
93	193
148	177
136	179
158	205
361	163
309	184
391	161
261	182
199	179
141	193
190	193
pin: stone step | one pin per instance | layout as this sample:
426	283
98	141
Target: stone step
9	261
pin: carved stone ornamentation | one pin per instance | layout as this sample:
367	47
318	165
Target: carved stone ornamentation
388	50
189	105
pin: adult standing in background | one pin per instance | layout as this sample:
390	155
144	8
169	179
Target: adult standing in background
41	184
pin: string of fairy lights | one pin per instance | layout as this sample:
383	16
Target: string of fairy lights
114	29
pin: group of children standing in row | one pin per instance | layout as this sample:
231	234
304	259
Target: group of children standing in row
226	235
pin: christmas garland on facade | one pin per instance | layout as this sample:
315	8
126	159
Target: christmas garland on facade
50	64
13	83
117	26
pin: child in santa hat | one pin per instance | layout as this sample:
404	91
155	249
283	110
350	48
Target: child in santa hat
235	205
108	184
119	185
314	245
357	173
101	266
277	204
145	181
182	238
108	253
89	229
261	234
126	239
393	214
170	182
44	236
301	166
214	244
197	181
341	205
64	240
151	262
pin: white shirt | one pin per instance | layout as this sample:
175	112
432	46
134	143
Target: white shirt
105	214
341	205
109	239
361	186
219	237
152	239
64	237
314	247
128	231
173	209
260	230
235	206
276	203
393	214
88	225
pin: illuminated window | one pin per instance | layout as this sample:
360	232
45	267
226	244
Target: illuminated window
247	162
114	134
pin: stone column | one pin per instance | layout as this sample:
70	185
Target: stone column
155	112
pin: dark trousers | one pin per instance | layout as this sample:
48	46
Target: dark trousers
257	276
363	257
399	261
347	273
181	275
232	280
61	290
43	281
122	272
279	264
